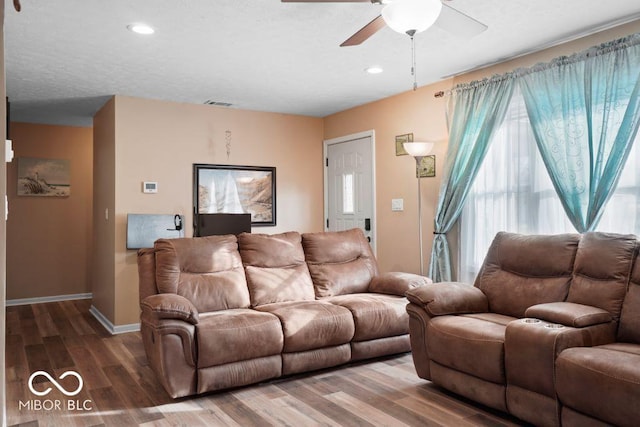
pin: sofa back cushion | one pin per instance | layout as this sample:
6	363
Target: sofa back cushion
146	273
275	268
340	262
520	271
629	329
602	270
206	270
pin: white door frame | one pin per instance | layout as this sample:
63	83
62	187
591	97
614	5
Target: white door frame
326	143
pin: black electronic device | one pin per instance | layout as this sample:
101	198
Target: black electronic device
221	223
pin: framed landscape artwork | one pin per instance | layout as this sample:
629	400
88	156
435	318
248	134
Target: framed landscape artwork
236	189
44	177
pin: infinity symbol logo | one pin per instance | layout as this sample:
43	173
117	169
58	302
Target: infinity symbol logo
54	382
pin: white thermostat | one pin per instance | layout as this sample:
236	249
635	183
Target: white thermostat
149	187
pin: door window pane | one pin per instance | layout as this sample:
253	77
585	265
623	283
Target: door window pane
347	194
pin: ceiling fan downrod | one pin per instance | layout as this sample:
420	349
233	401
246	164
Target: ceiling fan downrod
411	34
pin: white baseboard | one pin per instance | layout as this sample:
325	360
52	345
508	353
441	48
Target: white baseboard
110	327
40	300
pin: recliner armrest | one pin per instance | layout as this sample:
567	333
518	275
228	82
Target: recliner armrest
170	306
449	298
569	314
397	283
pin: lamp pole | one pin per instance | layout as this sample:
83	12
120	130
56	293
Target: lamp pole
418	150
418	161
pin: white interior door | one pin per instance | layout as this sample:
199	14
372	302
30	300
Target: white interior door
350	186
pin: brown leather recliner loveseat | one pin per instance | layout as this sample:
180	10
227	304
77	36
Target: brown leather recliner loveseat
221	311
549	332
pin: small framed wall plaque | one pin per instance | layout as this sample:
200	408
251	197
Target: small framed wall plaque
400	140
427	168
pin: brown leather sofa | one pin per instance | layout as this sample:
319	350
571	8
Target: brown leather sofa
226	311
549	332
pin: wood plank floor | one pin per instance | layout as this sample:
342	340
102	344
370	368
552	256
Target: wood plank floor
121	390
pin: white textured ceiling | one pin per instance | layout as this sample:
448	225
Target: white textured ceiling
64	58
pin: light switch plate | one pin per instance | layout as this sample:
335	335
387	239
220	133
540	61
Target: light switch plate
397	205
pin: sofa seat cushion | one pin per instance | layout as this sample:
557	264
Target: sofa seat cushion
585	374
309	325
235	335
375	315
470	343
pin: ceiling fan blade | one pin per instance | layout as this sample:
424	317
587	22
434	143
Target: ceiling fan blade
458	23
365	32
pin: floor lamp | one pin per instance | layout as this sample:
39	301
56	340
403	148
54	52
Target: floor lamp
418	150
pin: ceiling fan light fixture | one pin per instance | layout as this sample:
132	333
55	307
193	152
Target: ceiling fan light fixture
414	16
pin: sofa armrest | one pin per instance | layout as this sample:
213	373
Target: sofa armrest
170	306
449	298
569	314
170	346
531	349
397	283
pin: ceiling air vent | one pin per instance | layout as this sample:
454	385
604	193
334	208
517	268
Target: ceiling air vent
219	104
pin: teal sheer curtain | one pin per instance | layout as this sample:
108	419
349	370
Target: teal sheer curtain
478	109
585	113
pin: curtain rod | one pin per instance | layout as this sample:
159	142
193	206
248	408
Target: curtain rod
606	26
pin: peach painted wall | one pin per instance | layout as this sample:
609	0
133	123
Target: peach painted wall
49	238
3	229
410	112
104	197
419	112
160	141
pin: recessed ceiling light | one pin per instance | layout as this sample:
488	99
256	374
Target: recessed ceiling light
374	70
140	28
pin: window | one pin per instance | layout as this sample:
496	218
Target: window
347	194
513	192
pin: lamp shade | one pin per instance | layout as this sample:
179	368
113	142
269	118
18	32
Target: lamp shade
411	15
418	149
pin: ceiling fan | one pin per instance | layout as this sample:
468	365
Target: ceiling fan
397	14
